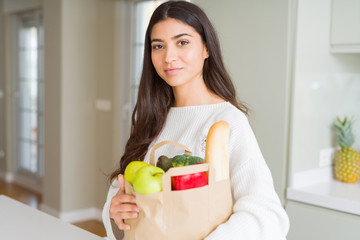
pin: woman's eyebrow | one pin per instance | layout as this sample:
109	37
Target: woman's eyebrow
180	35
174	37
156	40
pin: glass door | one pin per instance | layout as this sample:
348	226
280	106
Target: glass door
29	87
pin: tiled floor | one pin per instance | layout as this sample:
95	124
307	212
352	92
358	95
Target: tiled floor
34	199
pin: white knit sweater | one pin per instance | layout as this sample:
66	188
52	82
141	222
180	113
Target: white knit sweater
257	211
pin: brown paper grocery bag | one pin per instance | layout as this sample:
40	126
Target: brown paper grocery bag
178	215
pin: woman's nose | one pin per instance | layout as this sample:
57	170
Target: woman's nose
171	55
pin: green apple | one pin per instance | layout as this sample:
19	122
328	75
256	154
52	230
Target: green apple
148	179
132	168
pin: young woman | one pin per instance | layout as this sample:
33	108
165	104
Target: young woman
184	89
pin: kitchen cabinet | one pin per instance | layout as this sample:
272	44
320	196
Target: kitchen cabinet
345	26
310	222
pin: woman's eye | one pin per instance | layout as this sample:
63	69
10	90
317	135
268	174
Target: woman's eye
155	47
182	43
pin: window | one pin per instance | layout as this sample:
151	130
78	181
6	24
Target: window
28	87
142	12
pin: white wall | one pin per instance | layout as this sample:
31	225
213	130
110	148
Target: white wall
70	81
51	194
2	91
325	85
77	103
107	27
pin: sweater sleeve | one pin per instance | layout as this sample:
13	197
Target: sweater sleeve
257	211
114	188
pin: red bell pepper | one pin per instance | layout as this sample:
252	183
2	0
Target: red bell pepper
189	181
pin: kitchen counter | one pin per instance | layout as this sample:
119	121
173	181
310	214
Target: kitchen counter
319	187
19	221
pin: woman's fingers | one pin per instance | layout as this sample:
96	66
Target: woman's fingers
123	206
123	211
121	225
121	181
123	198
124	215
128	208
127	215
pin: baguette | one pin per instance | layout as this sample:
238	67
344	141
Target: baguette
216	151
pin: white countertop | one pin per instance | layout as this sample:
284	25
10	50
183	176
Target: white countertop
19	222
319	187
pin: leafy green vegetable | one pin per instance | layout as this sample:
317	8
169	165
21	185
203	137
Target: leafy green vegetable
185	160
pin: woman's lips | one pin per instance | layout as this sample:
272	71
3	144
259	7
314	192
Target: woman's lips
172	71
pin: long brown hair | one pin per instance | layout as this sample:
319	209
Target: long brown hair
155	97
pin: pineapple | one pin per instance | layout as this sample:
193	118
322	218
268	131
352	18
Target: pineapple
347	159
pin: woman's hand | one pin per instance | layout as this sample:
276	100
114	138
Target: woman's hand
123	206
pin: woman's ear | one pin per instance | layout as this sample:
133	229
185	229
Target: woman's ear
207	55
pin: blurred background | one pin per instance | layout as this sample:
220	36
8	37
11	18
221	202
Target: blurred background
69	72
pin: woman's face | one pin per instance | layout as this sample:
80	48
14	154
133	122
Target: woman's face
177	53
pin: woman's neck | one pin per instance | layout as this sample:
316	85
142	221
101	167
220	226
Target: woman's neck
197	94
